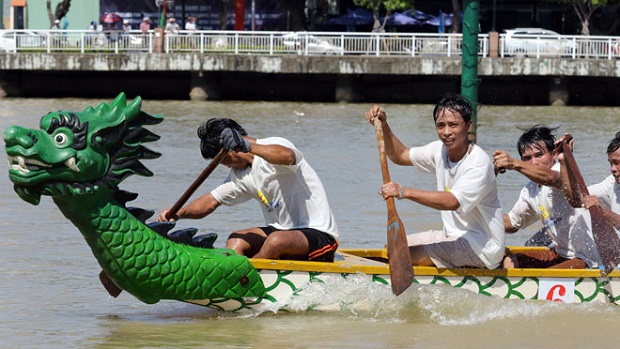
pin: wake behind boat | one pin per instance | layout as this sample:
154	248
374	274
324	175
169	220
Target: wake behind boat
80	158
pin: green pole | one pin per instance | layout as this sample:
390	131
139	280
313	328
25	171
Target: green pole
469	66
162	16
1	14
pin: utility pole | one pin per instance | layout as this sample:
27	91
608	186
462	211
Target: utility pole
1	14
469	60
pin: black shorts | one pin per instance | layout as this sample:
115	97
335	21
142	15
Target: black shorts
322	246
545	259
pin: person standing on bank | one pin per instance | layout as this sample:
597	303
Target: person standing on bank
466	194
190	25
299	223
145	26
542	199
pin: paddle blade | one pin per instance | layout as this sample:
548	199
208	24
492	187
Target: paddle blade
401	270
607	241
109	285
605	237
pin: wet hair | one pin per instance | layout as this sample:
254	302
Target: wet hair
209	134
614	144
534	135
455	103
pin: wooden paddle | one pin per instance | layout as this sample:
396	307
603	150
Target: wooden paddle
401	270
605	237
110	286
197	183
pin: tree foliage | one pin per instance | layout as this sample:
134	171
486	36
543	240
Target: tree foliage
456	16
389	6
61	10
584	9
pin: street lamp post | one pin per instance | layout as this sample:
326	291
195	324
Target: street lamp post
253	15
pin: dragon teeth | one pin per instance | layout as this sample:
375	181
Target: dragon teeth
20	163
70	163
37	163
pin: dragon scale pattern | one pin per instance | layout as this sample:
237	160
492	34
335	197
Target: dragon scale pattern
79	158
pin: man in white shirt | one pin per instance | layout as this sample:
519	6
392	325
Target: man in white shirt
172	27
299	223
190	25
466	193
544	200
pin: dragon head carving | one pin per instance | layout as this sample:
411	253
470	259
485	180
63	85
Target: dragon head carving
75	153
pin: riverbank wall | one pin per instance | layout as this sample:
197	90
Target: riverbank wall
367	79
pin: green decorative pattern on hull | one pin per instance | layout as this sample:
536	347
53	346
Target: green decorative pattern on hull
79	159
284	285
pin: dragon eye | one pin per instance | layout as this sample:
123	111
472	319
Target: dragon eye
61	139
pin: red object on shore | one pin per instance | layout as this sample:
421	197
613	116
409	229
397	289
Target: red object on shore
111	18
239	14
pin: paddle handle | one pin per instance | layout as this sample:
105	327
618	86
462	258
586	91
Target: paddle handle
192	188
384	164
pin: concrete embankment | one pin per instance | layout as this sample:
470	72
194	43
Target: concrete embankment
394	79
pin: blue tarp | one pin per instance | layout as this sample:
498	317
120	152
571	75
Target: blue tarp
401	19
436	21
417	17
359	16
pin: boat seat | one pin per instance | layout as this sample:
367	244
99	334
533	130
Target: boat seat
347	258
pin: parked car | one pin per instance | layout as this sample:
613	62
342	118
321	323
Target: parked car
30	39
7	41
12	40
536	41
302	41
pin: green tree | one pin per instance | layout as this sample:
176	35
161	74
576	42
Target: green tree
61	10
584	9
456	16
388	5
224	13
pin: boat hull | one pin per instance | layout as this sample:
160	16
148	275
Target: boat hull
283	280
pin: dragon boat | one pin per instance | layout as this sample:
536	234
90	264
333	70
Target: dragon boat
80	158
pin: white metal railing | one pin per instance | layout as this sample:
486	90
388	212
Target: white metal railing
320	43
304	43
568	46
74	41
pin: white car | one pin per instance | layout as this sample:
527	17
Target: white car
12	40
303	42
7	41
535	42
29	39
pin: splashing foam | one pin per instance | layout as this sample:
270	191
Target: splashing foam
358	296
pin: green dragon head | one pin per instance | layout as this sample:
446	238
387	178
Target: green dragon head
76	153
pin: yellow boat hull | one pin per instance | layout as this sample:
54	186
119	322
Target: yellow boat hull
283	279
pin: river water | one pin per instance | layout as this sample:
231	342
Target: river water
50	296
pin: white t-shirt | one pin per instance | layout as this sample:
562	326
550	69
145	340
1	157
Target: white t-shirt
570	227
608	193
472	181
190	26
290	196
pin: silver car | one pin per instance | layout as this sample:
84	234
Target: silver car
535	42
303	42
7	41
13	40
